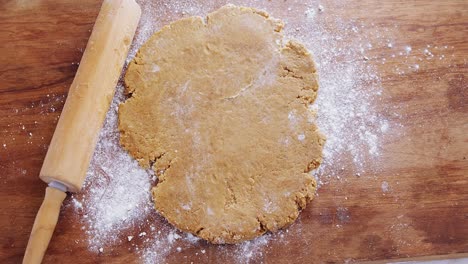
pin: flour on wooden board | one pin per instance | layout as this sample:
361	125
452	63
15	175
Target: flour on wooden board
115	202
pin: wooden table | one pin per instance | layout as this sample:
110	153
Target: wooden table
426	212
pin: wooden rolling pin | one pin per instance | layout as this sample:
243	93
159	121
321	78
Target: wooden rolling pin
83	114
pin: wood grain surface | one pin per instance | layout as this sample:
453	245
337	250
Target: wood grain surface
426	166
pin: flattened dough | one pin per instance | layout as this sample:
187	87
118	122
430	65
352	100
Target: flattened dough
218	108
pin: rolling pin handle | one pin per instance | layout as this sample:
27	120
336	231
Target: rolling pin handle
45	222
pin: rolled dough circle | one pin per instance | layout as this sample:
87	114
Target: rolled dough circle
218	108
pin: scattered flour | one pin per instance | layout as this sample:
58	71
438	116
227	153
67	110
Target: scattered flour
385	187
349	90
248	251
116	191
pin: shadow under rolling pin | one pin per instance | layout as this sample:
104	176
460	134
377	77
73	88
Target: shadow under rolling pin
83	114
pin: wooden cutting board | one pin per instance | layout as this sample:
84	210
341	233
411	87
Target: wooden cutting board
424	214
